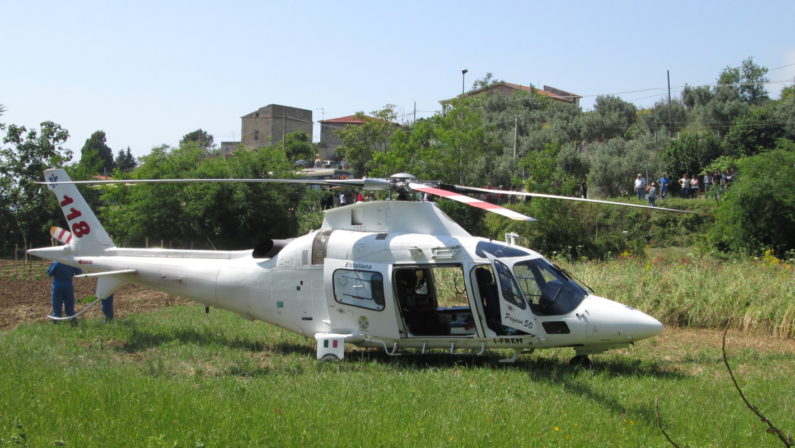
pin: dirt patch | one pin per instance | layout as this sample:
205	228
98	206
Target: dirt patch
25	295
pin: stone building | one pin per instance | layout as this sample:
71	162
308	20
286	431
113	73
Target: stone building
329	140
508	89
267	125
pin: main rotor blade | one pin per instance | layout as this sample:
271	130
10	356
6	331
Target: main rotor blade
567	198
488	206
366	184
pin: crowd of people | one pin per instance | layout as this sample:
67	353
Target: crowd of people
690	186
341	198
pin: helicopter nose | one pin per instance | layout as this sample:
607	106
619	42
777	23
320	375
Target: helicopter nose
645	326
617	321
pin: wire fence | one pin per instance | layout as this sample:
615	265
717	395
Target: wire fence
23	269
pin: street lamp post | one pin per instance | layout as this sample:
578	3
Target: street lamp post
463	77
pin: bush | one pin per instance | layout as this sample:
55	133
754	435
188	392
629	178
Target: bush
758	211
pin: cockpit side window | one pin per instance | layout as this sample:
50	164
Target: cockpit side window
547	289
510	290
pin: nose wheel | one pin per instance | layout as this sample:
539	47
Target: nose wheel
581	361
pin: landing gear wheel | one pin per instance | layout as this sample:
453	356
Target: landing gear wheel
329	357
581	361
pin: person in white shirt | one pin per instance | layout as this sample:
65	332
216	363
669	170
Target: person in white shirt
640	186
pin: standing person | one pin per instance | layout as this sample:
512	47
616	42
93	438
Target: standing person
694	187
685	183
63	291
717	184
640	185
652	194
343	200
707	183
107	308
664	182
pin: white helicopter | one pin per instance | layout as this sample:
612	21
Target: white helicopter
397	275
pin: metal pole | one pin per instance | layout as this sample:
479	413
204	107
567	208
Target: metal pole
670	124
463	77
515	136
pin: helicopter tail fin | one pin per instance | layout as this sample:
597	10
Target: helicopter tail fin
88	235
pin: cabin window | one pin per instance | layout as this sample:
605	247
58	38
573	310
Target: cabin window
319	246
364	289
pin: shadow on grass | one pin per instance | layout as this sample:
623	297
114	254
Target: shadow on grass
141	338
539	368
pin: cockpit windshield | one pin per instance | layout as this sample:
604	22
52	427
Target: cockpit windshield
548	290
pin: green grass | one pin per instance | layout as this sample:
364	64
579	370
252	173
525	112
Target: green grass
179	377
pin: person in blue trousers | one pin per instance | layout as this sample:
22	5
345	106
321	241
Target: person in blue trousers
107	307
63	291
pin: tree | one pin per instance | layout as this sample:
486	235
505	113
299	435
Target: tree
361	142
200	137
410	150
693	97
125	160
299	147
27	209
755	131
749	79
785	114
486	81
612	117
690	153
545	174
212	215
614	164
663	117
758	209
96	157
468	153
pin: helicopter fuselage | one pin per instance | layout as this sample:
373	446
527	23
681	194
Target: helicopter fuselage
390	274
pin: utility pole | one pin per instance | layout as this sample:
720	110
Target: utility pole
515	136
670	124
415	113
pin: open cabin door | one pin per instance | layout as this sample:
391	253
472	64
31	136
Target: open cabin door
514	310
433	301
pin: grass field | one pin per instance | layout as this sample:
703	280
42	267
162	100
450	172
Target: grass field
179	377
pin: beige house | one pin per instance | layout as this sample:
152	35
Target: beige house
268	125
508	89
329	140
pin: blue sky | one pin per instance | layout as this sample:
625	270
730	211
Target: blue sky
148	72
